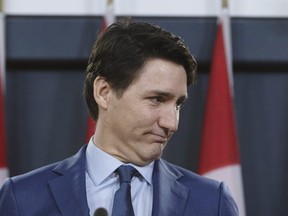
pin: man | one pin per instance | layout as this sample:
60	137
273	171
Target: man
136	82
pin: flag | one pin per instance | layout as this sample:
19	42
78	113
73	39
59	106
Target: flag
219	153
108	19
90	129
3	157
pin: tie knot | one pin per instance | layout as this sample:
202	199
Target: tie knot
126	173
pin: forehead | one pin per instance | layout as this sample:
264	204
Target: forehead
163	75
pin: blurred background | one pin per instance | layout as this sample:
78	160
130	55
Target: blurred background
47	44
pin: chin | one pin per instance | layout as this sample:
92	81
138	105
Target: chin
153	156
150	154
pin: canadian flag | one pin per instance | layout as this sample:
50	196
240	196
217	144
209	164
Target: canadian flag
108	19
3	157
219	153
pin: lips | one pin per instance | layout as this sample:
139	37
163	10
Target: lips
159	138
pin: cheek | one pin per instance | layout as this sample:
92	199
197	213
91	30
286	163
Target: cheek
147	115
142	119
134	114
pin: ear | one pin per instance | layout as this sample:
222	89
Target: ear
101	91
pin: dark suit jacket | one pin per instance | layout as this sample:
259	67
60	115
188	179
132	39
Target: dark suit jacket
59	189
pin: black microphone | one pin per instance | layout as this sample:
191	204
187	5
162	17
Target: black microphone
101	212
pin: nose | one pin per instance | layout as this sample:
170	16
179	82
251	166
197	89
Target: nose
169	119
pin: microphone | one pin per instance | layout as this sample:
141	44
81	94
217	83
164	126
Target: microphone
101	212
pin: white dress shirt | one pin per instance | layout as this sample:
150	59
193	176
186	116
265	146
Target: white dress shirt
102	182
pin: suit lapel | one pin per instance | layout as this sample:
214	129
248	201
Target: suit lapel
69	189
169	196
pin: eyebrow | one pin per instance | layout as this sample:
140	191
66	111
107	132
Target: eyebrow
165	94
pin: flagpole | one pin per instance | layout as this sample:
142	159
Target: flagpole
225	19
109	16
1	5
224	3
3	157
2	46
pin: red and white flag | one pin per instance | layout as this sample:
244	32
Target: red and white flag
3	157
108	19
219	151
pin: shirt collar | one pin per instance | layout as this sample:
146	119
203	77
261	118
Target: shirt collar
100	165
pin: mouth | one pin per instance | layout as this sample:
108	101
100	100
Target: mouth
160	138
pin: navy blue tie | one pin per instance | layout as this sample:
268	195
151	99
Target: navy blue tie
122	205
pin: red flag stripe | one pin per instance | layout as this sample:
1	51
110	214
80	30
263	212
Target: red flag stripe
91	126
219	138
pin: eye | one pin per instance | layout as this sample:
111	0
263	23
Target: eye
179	105
157	99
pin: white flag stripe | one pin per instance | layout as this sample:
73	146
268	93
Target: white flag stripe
3	175
231	175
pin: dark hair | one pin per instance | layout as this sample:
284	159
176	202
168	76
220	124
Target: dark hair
123	49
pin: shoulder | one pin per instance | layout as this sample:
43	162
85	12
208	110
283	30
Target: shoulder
189	178
37	179
204	192
23	192
26	189
42	174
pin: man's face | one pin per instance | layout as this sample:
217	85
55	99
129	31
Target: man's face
142	120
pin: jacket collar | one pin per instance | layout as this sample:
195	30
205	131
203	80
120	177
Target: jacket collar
69	189
169	195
